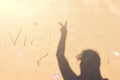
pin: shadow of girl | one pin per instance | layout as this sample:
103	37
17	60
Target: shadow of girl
89	66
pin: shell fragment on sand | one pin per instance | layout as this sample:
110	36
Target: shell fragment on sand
116	53
20	53
56	76
71	30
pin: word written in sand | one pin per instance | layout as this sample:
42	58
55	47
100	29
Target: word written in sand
27	40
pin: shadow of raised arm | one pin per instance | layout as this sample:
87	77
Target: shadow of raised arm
65	69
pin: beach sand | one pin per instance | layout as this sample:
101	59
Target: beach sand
30	34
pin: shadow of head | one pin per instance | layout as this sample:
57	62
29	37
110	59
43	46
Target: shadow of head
89	57
90	65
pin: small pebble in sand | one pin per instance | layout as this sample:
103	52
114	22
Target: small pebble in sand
20	53
56	76
116	53
35	24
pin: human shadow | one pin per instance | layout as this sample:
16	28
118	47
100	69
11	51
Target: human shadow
89	66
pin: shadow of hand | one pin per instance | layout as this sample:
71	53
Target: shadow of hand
63	28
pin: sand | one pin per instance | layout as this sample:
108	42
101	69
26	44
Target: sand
30	34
